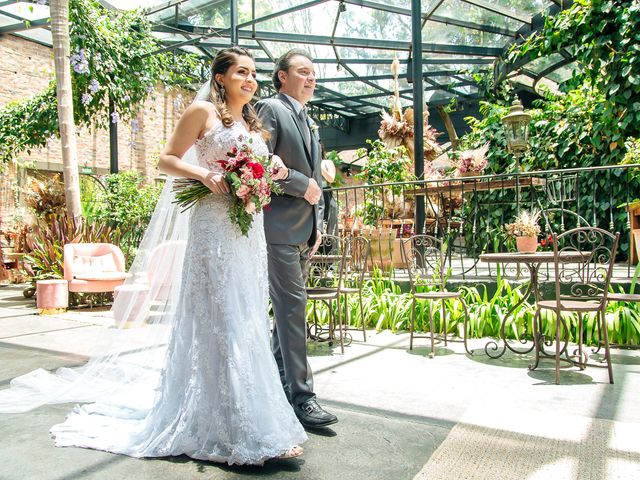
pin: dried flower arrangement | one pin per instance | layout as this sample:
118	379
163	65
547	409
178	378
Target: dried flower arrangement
472	161
525	225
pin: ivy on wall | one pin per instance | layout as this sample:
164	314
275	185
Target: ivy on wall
112	60
595	118
604	38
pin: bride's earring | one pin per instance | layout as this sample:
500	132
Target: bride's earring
222	92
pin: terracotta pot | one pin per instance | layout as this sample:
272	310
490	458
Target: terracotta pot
526	244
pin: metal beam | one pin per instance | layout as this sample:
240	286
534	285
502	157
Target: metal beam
418	105
164	6
233	18
370	43
403	61
435	73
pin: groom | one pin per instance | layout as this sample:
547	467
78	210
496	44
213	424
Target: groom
292	227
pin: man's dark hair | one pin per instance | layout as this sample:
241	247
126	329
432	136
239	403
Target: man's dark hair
284	62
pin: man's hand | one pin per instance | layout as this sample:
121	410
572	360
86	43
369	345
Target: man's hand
313	193
316	245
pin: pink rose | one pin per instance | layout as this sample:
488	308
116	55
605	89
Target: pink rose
243	191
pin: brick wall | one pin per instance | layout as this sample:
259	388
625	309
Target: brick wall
27	67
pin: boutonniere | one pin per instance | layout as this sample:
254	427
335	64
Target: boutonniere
314	129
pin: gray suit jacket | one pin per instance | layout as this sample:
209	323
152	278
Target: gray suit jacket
291	220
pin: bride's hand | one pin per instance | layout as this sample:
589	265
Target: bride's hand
279	170
216	183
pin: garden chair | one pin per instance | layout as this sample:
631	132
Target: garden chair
425	267
93	267
325	285
357	255
580	288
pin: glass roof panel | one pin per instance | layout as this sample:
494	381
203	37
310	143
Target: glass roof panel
201	13
461	10
436	32
133	4
362	22
28	11
316	20
7	20
563	73
530	7
39	35
537	65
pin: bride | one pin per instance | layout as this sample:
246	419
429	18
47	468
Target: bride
218	395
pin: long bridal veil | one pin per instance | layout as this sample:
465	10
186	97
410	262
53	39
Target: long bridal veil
128	356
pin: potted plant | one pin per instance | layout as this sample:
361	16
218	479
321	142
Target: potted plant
525	229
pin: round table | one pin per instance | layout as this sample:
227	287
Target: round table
533	261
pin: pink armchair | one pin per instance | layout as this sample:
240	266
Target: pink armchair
93	267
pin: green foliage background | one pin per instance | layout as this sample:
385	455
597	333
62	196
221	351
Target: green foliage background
586	124
118	47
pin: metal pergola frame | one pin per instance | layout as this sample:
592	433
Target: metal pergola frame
167	19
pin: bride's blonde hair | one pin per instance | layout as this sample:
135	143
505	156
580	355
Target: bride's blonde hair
224	60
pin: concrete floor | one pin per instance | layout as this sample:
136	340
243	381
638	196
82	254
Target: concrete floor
396	408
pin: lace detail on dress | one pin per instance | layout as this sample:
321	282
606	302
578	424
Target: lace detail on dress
219	397
215	144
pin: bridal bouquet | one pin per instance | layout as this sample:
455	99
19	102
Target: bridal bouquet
248	175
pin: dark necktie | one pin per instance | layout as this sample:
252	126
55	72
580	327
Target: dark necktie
305	126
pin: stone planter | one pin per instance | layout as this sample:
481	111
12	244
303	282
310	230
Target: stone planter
527	244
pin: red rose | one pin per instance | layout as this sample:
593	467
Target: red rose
543	242
256	169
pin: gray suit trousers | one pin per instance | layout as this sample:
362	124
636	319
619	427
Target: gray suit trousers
288	269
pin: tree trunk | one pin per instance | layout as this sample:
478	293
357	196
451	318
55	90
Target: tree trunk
448	125
61	51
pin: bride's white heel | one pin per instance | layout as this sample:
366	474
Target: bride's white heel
293	452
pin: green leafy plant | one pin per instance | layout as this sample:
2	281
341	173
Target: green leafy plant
127	203
383	165
115	60
52	232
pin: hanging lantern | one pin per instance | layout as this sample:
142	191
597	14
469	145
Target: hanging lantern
516	128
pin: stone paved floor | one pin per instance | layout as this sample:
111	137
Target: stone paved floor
402	414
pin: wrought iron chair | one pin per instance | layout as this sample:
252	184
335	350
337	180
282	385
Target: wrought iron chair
325	285
581	287
356	257
425	266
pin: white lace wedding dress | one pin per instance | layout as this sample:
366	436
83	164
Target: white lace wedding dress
219	397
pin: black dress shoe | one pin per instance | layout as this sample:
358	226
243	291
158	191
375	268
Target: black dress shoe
311	415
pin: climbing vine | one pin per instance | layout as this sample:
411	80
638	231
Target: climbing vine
113	60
